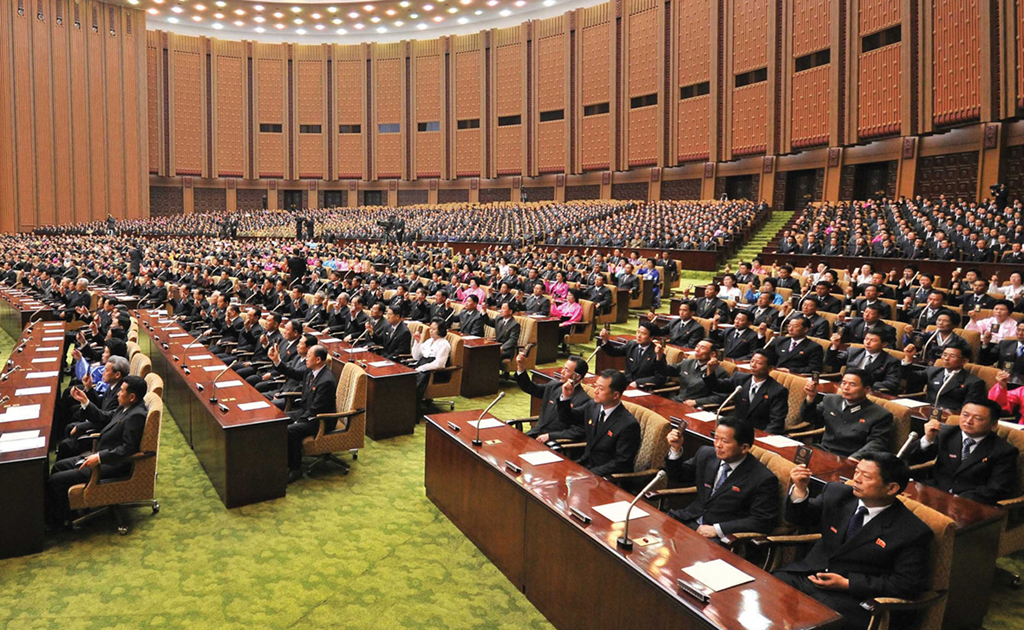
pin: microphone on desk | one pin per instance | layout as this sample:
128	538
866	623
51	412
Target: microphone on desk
359	338
941	389
184	352
725	403
213	383
9	372
924	348
37	311
910	440
4	399
476	440
592	354
624	542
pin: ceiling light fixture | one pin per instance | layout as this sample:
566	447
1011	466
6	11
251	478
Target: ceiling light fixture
177	9
478	12
404	4
428	7
375	19
279	15
219	15
381	29
505	13
463	20
296	10
259	19
196	18
341	31
452	10
301	31
438	18
218	25
279	26
332	9
200	7
368	8
315	16
421	26
336	20
260	29
399	23
258	7
359	26
353	15
239	23
153	12
521	3
414	15
239	12
319	27
298	20
172	20
221	3
390	11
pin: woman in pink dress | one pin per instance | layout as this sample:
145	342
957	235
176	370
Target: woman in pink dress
557	289
571	311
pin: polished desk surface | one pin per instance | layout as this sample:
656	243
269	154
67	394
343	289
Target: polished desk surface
825	466
22	300
41	336
565	484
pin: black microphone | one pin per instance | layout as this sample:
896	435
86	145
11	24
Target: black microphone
624	542
213	383
184	353
476	440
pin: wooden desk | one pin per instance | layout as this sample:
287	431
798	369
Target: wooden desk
549	337
574	573
17	307
621	304
977	526
244	453
481	362
604	361
23	474
131	302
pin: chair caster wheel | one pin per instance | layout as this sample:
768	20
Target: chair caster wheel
1016	582
355	455
156	508
122	530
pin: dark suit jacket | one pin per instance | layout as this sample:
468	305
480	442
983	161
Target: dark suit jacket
538	305
686	334
505	333
706	308
471	323
318	396
862	428
395	340
692	384
856	328
738	345
987	475
887	557
612	447
767	411
748	500
549	421
805	358
768	316
120	438
642	366
1005	354
963	386
885	368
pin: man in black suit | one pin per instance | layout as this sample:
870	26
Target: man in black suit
870	321
796	353
119	439
471	320
693	386
957	385
971	461
826	302
81	420
599	294
395	339
819	327
979	297
613	434
763	312
707	306
1009	354
296	264
629	281
739	341
870	298
762	401
537	303
642	364
735	491
318	397
871	544
549	425
921	317
506	329
872	358
684	331
853	424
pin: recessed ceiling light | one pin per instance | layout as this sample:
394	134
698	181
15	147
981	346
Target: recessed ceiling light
375	19
332	9
414	15
259	19
172	20
219	15
478	12
428	7
492	3
301	31
520	3
200	7
381	29
258	7
336	20
279	26
389	11
177	9
158	1
296	10
463	20
466	2
260	29
438	18
221	3
218	25
368	8
505	13
353	15
315	16
421	26
399	23
319	27
196	18
341	31
404	4
550	3
239	23
239	12
279	15
452	10
153	12
359	26
298	20
133	2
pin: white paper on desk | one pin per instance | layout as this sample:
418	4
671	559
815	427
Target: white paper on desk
486	423
778	441
165	320
23	412
213	368
52	339
330	340
169	328
47	348
616	512
52	324
634	393
379	363
200	357
176	335
538	458
35	375
228	384
45	360
717	575
14	446
909	402
355	350
19	435
252	406
702	416
469	337
315	333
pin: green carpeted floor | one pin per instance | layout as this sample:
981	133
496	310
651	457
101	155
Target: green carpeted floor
366	550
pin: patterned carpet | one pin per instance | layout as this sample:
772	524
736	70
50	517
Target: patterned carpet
366	550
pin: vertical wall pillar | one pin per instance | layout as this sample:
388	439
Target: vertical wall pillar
908	168
833	168
232	198
707	184
989	160
767	189
189	196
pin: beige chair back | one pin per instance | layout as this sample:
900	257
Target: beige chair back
654	430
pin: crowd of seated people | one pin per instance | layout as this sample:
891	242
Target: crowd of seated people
921	229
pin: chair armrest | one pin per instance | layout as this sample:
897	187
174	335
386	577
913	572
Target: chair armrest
289	394
639	474
923	466
142	455
450	368
914	395
734	539
665	390
519	422
786	541
340	414
804	434
1011	503
671	492
884	604
228	343
566	445
90	436
830	375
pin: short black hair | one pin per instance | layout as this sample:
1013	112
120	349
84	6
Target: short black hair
616	380
865	377
581	364
743	431
319	351
769	357
994	410
117	347
135	385
442	326
891	468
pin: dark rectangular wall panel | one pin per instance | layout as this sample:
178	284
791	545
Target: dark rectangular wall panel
954	175
596	87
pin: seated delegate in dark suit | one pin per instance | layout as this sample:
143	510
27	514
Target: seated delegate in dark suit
119	439
796	353
971	461
506	330
599	294
707	306
738	342
735	491
693	384
1009	354
318	396
470	320
853	424
872	358
957	386
871	544
549	425
684	331
923	316
613	434
762	401
870	321
642	365
537	303
396	339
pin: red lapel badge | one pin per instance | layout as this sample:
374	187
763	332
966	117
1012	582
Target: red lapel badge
609	434
880	543
735	489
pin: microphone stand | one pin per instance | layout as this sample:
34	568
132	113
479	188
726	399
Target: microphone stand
476	440
624	542
184	353
910	440
9	372
213	383
725	403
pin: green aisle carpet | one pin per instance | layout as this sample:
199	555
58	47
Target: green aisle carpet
366	550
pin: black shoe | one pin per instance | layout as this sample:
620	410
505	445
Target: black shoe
294	475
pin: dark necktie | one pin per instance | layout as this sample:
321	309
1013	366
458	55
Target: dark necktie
600	420
968	443
856	522
723	473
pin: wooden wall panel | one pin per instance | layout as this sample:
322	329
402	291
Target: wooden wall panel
596	88
879	94
642	78
80	143
271	72
98	137
310	98
43	140
551	72
749	119
876	15
230	102
187	94
429	81
153	56
956	71
350	109
750	39
954	175
389	95
694	129
1020	54
812	25
113	105
133	80
24	119
8	193
468	97
694	42
64	210
508	91
812	101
